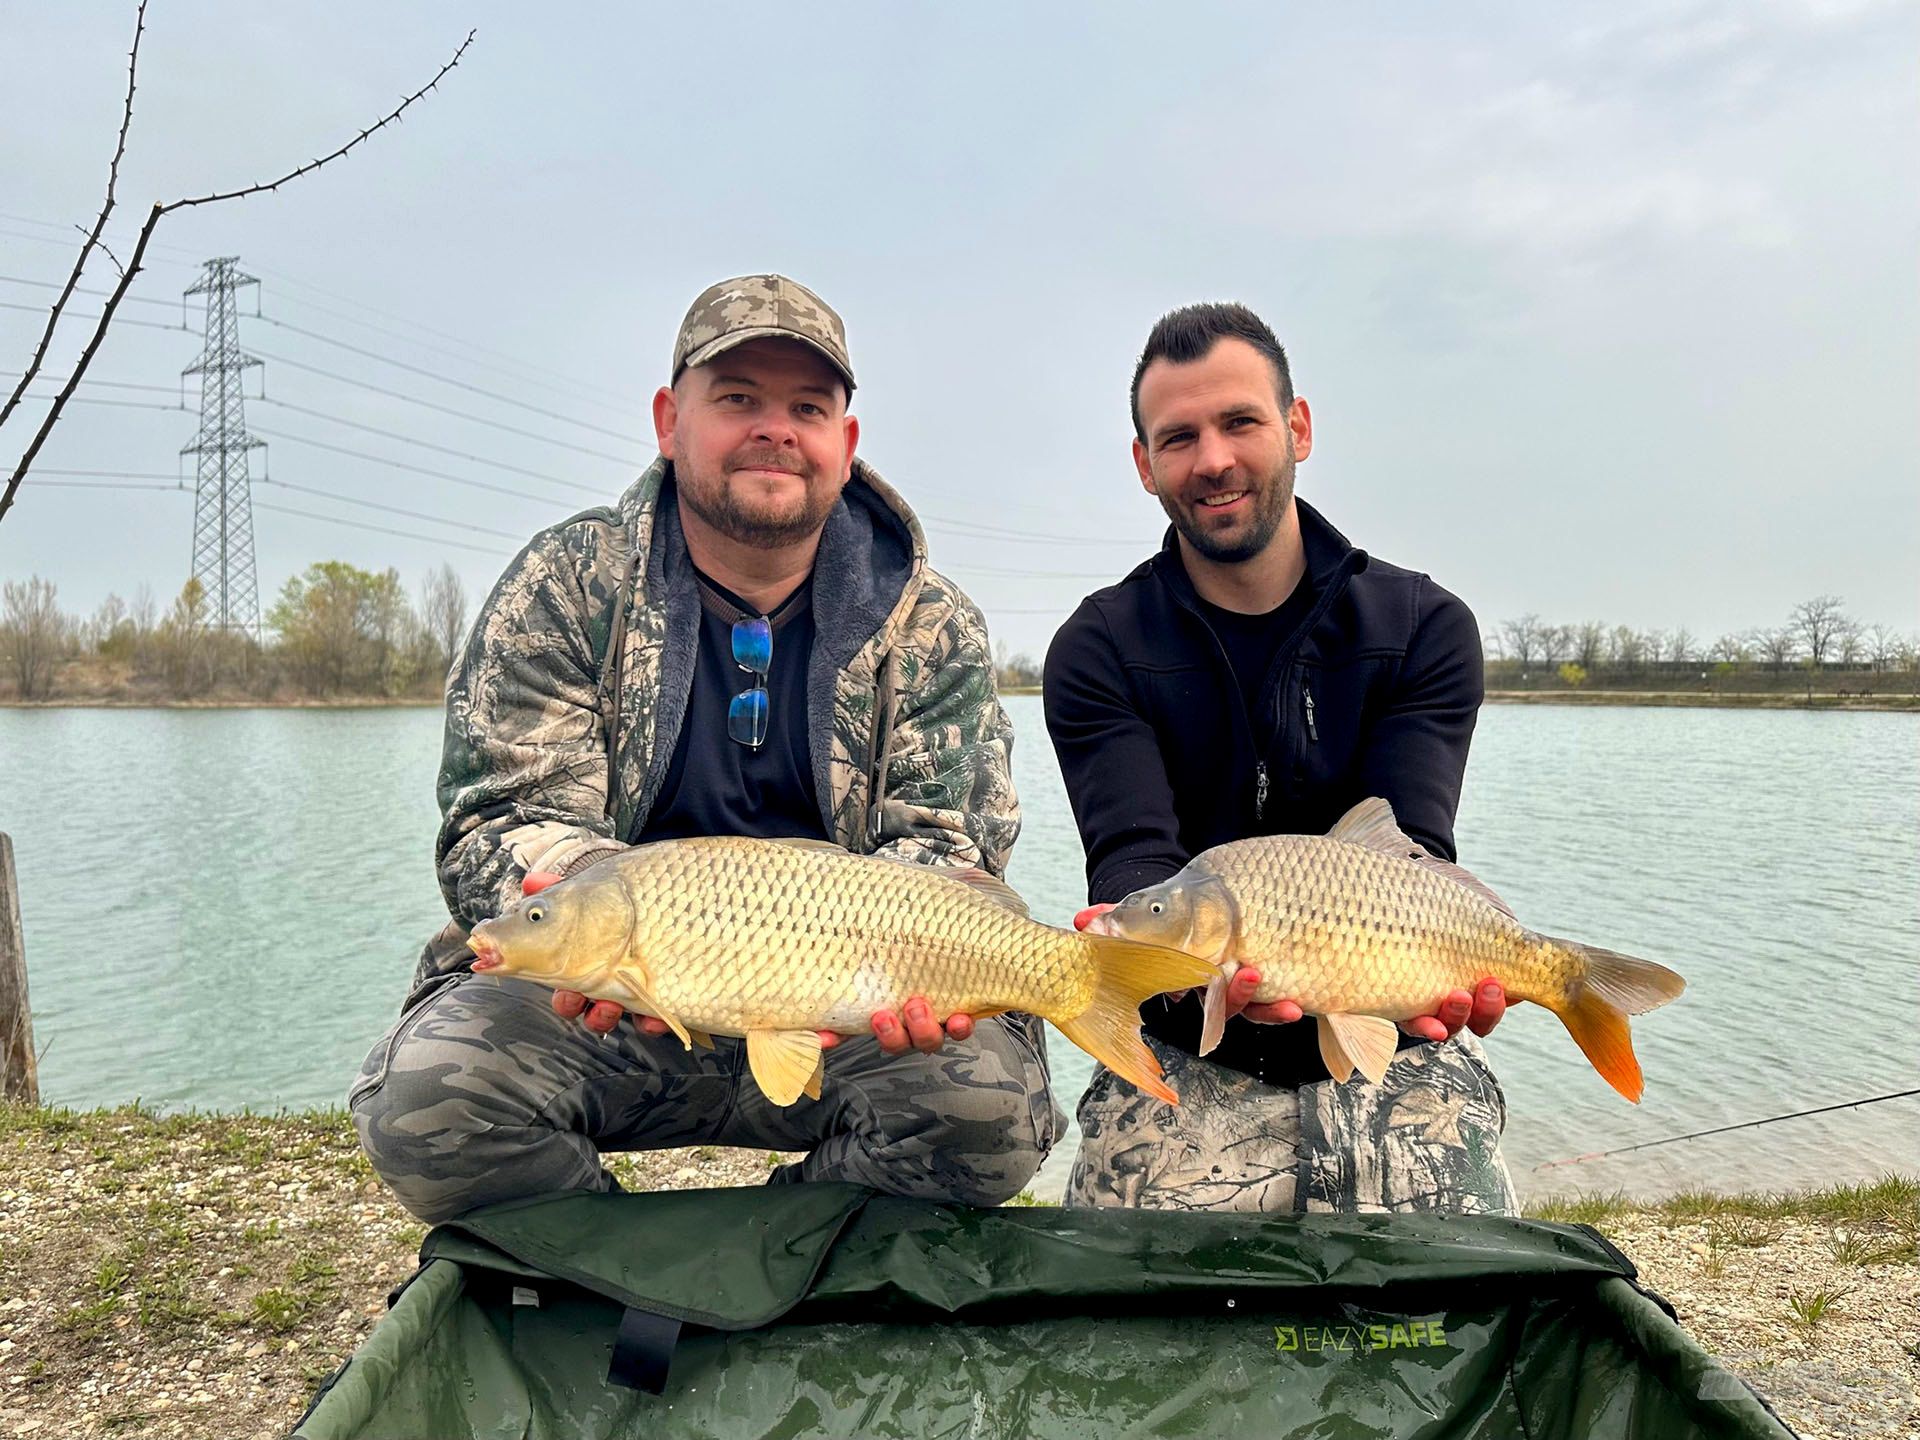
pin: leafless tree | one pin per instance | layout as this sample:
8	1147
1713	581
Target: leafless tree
1654	642
443	611
1816	624
1627	648
1730	650
33	633
1681	646
1882	646
1777	645
79	368
1589	644
1520	639
108	620
1556	643
1849	643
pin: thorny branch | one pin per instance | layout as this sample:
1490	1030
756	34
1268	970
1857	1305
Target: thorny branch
80	264
140	249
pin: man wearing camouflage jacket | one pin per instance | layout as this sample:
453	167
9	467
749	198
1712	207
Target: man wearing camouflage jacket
595	706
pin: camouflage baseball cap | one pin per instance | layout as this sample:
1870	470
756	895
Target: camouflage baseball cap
758	307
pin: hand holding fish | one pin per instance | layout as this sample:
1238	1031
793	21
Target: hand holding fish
1457	1010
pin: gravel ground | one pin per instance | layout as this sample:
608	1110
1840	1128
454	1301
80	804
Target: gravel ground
199	1276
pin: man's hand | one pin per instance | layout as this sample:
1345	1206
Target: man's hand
1478	1012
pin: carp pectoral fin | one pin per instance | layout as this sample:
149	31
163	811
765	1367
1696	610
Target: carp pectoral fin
812	1092
1358	1042
640	985
1371	824
1214	1024
786	1064
700	1038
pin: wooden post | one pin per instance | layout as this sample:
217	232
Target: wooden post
19	1076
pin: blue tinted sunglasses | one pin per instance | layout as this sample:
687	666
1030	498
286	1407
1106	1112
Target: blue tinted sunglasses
747	712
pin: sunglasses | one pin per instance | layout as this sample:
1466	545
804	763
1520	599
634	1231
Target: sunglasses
747	712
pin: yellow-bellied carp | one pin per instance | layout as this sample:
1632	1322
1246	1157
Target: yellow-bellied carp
1362	928
776	940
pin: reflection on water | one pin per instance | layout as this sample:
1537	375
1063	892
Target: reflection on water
222	909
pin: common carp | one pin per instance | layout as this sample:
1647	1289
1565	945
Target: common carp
776	940
1361	927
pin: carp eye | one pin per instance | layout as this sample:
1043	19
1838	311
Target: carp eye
537	913
1157	908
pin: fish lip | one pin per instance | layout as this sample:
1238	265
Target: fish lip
486	953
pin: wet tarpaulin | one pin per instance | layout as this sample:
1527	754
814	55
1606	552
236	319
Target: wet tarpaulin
827	1310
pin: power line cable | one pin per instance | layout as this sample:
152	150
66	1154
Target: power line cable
34	479
392	509
375	529
459	414
572	389
615	400
99	294
1026	537
462	341
65	227
391	464
423	444
118	319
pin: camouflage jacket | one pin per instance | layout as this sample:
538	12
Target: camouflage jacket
911	749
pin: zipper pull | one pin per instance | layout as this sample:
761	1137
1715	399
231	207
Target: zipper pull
1313	731
1260	790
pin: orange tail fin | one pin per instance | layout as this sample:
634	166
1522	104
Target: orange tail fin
1126	973
1595	1012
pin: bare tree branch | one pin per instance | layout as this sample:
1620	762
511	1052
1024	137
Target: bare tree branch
140	250
80	264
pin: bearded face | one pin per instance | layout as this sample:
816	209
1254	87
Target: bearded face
1220	449
761	442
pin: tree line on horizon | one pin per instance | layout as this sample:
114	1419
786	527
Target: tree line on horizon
339	632
334	632
1817	638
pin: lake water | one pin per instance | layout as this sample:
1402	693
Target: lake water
222	909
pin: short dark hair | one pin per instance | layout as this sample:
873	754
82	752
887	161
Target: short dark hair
1188	334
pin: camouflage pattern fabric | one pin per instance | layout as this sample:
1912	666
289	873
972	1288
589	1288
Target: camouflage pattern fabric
912	707
755	307
481	1093
1427	1138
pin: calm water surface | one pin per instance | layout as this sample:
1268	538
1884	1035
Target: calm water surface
222	909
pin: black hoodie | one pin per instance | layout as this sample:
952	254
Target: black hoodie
1375	693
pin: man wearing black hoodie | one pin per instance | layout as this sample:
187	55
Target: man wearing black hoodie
1259	676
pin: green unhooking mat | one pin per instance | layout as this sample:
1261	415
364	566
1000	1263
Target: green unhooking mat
827	1310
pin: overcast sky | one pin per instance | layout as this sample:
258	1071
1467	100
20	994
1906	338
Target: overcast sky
1606	311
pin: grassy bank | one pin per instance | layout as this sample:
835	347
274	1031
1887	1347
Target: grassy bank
199	1275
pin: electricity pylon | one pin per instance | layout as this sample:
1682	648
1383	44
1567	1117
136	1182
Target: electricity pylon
223	505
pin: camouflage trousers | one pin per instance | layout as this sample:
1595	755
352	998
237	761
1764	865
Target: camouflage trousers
1426	1138
481	1093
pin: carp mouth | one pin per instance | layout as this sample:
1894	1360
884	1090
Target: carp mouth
486	952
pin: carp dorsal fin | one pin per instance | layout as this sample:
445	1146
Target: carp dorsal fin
1370	824
786	1064
991	886
1358	1042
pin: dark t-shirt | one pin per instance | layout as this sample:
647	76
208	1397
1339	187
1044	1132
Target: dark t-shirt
1251	641
717	786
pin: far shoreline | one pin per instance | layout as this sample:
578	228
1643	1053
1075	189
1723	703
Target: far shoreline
1654	699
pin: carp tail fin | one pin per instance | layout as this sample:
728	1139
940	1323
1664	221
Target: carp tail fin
1126	973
